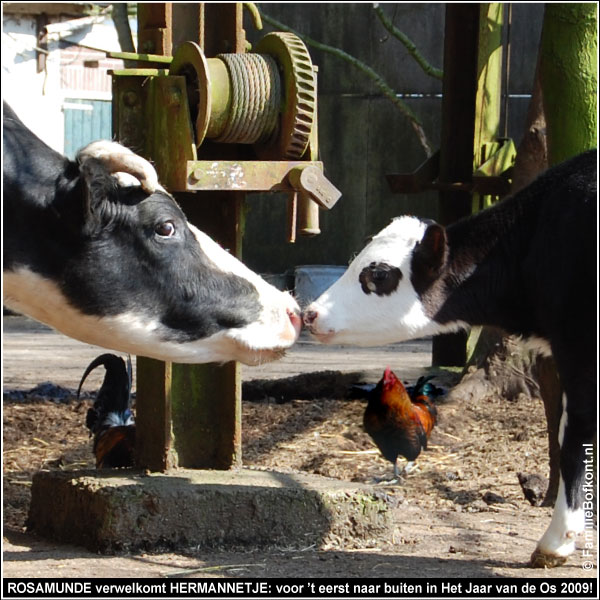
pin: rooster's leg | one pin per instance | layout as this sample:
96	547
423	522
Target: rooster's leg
410	466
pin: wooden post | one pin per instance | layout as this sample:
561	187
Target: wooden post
470	119
187	415
207	399
154	28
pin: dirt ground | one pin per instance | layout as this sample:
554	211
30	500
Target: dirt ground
461	514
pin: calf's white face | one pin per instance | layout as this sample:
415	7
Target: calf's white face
375	301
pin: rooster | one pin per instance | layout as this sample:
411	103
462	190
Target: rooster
110	420
399	422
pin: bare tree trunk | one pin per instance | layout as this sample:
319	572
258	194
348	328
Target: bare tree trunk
569	78
532	154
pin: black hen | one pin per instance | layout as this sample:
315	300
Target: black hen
110	420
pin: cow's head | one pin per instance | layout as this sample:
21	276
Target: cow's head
390	292
127	271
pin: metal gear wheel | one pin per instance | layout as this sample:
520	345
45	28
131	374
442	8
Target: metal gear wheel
299	102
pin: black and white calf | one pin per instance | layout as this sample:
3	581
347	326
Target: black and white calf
527	265
118	265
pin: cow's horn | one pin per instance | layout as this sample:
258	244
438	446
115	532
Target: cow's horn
117	159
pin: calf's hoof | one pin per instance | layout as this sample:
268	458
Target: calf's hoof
541	560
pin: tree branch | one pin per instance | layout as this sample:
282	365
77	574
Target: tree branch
408	44
383	86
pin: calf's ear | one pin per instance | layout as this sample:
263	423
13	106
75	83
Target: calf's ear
429	257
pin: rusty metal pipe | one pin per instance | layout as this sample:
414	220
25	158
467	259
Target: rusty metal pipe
308	215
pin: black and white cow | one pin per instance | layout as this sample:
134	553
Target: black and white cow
118	265
527	265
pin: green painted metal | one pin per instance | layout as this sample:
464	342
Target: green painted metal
129	111
242	175
488	98
305	177
151	115
190	415
150	58
308	222
501	155
489	79
491	180
171	141
139	72
220	95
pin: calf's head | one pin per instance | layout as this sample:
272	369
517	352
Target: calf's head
389	293
120	266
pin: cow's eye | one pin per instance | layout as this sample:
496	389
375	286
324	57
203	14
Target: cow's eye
380	278
379	275
166	229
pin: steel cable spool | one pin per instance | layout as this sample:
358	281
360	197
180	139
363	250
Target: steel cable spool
255	98
266	98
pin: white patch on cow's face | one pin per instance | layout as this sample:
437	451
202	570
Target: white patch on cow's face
279	323
345	314
266	339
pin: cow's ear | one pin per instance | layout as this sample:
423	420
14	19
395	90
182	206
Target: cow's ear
429	257
98	191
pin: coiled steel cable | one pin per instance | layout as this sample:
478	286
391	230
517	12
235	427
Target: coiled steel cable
256	98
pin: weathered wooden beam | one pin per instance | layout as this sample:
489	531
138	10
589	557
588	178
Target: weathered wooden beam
155	27
187	415
223	27
187	19
207	399
470	121
154	438
214	391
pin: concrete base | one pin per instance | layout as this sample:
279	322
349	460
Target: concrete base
119	510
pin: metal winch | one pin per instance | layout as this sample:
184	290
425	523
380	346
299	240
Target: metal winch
239	98
265	99
217	121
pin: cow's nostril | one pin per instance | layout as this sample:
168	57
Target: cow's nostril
309	316
295	318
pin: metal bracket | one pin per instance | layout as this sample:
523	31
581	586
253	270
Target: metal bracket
262	175
492	178
146	58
